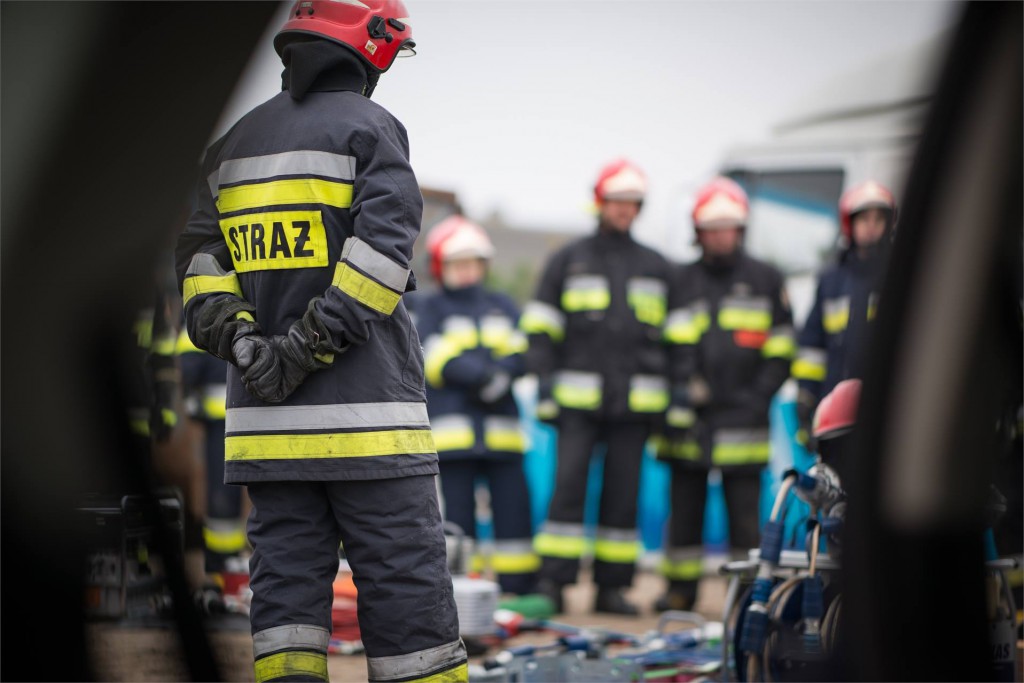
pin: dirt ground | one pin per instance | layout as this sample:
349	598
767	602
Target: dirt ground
151	654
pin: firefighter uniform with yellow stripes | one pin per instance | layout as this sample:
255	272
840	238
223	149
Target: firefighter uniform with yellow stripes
473	350
293	268
731	344
595	330
203	383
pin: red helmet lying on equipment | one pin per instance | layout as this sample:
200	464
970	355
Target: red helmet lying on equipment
837	412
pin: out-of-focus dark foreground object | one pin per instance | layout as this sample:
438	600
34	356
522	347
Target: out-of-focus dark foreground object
945	360
106	109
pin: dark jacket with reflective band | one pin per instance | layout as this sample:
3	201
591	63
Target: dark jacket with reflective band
735	331
595	327
836	329
469	335
315	199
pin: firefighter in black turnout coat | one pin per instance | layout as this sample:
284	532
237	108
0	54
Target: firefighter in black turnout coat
293	269
731	343
595	333
473	350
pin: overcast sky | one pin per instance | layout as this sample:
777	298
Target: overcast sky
516	105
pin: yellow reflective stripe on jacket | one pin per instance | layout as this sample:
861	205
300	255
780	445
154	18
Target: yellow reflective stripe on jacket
646	296
453	433
577	389
541	318
744	319
284	664
224	541
740	447
365	290
139	426
621	552
781	343
835	314
681	570
459	674
438	351
586	293
515	563
648	394
503	434
686	325
184	344
515	343
276	240
810	364
345	445
195	285
214	407
283	192
461	331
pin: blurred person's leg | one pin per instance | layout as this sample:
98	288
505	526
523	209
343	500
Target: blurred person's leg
514	560
683	562
742	491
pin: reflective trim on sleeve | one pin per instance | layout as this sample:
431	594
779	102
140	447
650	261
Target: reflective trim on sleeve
687	325
753	313
495	330
835	314
453	433
679	417
781	343
284	193
576	389
872	305
586	293
205	276
375	264
541	318
461	331
224	536
329	416
646	296
302	162
184	344
648	393
516	343
318	446
740	447
437	352
365	290
504	434
427	664
215	399
616	545
277	638
810	364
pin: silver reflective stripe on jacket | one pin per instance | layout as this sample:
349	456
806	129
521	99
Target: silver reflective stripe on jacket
305	162
382	269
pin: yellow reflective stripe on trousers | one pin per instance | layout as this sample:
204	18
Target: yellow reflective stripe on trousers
284	664
622	552
681	570
348	445
551	545
518	563
224	542
573	397
741	453
365	290
282	192
195	285
459	674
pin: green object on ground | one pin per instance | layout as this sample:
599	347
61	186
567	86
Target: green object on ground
532	606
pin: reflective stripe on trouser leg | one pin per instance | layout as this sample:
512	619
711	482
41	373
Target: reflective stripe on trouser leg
684	549
616	547
560	541
391	530
295	652
682	564
514	559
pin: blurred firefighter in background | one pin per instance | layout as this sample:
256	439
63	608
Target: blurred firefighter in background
835	332
204	388
595	332
473	350
293	269
731	344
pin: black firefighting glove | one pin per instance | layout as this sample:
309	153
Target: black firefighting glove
547	408
805	405
305	349
259	365
217	327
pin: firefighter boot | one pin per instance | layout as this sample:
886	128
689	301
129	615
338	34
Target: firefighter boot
553	592
611	600
681	595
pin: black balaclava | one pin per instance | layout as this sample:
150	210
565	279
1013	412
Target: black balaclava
720	262
317	65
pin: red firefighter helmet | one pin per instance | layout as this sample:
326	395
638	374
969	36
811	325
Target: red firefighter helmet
721	203
837	412
860	197
454	237
620	180
376	30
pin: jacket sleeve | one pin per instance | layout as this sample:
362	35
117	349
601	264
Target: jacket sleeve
509	353
374	270
684	325
544	322
452	356
810	364
214	304
779	348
